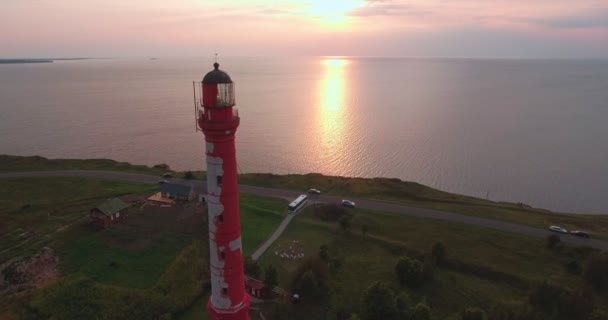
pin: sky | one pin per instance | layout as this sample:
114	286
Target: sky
411	28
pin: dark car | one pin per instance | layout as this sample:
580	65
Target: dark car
167	175
162	181
581	234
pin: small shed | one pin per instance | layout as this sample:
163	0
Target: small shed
254	287
110	211
177	191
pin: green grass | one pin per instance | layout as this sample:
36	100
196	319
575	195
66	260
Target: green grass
116	265
259	218
414	194
34	210
36	163
511	264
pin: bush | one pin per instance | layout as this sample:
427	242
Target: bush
188	175
553	240
271	278
331	212
345	223
252	268
378	302
364	229
474	314
598	315
439	253
421	312
310	279
546	297
596	271
409	272
574	267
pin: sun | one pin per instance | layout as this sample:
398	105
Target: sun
333	11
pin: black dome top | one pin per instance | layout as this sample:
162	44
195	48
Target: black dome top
217	76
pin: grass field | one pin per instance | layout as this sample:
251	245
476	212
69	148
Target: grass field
259	218
36	163
414	194
34	210
136	253
511	264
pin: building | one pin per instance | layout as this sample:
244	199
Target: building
177	191
255	287
218	119
110	211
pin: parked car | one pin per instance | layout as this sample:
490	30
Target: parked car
314	191
579	233
167	175
558	229
162	181
348	203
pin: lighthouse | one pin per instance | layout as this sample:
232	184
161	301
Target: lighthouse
218	119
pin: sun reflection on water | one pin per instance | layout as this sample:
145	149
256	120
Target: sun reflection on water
331	114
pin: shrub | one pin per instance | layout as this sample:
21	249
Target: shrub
409	272
546	297
364	229
438	252
271	278
573	267
188	175
421	312
474	314
310	279
345	223
331	212
596	271
252	268
553	240
378	302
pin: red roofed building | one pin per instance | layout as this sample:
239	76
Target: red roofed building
109	212
254	287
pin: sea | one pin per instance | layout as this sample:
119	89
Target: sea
530	131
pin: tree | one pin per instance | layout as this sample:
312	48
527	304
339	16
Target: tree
270	278
438	252
473	314
324	253
252	268
546	297
595	271
378	302
553	240
188	175
345	223
364	229
421	312
598	315
409	272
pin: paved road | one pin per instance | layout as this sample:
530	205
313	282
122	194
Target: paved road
361	203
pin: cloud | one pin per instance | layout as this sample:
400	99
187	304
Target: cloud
591	19
384	8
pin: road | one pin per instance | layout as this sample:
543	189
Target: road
361	203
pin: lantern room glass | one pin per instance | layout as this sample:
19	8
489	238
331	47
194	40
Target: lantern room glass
225	94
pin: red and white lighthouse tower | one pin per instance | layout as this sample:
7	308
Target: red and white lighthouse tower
218	119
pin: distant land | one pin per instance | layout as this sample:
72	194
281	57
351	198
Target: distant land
44	60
